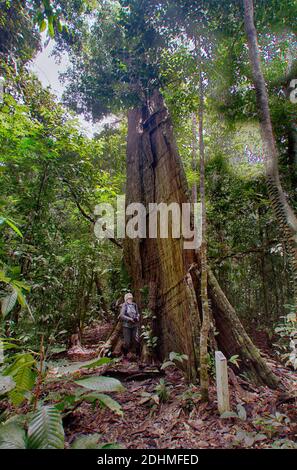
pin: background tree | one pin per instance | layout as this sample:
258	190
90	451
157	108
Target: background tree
283	212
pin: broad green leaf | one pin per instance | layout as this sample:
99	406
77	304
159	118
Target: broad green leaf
101	384
20	361
25	381
23	373
105	400
88	441
76	366
97	363
12	436
46	431
9	302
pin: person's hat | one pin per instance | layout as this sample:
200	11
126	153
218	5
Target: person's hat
128	296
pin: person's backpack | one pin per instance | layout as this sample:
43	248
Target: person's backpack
126	308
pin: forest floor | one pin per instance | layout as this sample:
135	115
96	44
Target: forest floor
183	421
173	416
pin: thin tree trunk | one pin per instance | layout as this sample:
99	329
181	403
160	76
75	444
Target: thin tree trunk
204	335
233	339
283	212
194	156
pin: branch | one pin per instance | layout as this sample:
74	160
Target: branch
83	212
242	254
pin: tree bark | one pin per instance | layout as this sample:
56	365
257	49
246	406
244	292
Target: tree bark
155	174
292	153
283	212
194	156
204	335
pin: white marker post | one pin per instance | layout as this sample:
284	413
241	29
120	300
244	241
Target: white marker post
222	382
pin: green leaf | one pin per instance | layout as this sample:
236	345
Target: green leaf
4	278
42	26
46	429
101	384
89	441
111	445
59	26
97	363
76	366
20	361
13	226
51	30
11	344
21	285
23	374
25	381
21	297
12	436
9	302
235	360
105	400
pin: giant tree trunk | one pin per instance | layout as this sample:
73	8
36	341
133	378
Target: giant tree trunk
155	174
283	212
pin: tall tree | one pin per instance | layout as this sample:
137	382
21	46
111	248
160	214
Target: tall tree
283	211
205	326
128	56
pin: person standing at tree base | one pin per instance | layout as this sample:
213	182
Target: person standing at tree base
130	317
